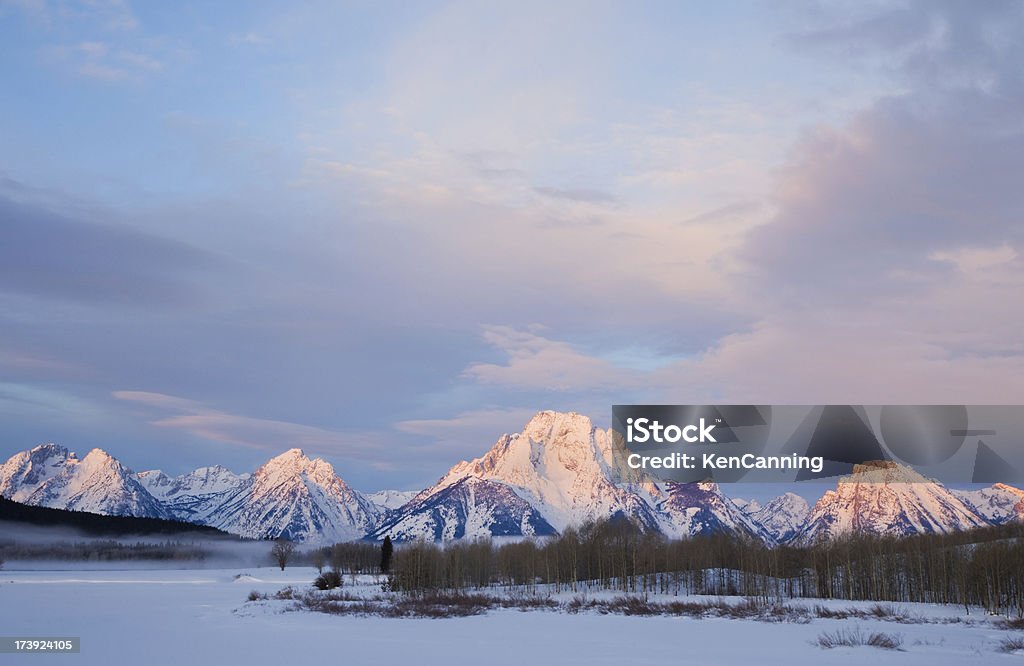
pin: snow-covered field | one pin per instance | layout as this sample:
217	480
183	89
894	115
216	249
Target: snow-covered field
201	616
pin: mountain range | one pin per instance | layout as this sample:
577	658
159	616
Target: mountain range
555	473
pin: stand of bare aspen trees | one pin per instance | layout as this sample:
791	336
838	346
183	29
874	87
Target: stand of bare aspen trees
983	567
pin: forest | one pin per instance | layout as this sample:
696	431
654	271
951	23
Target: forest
97	524
983	567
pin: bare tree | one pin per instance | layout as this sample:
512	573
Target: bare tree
282	552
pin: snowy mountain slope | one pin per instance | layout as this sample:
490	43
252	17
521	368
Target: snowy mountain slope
746	506
694	509
782	517
469	507
195	496
298	498
391	499
51	476
25	471
998	504
560	465
557	472
887	498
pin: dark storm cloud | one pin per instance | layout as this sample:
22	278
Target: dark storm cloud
50	254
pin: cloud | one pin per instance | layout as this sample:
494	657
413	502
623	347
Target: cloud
46	404
579	195
468	433
12	361
977	259
51	254
863	208
104	62
109	15
272	435
942	352
884	265
536	362
248	39
868	209
724	213
886	270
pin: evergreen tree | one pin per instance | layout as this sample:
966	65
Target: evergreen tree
386	549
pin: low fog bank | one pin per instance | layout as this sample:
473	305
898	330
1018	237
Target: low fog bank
33	547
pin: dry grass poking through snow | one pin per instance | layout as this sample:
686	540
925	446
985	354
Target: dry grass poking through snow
854	637
1011	644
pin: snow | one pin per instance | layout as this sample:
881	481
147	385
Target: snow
174	617
51	476
562	468
999	503
297	497
887	498
559	471
782	517
391	499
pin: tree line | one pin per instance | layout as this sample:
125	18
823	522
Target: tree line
98	524
982	567
102	551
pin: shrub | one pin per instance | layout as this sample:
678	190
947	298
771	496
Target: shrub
855	637
328	580
1011	644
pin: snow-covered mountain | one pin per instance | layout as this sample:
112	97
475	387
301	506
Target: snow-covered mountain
25	471
692	509
557	472
469	507
193	497
391	499
298	498
562	464
290	495
887	498
782	517
51	476
746	506
998	504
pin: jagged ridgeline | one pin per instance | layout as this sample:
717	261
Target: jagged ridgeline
558	471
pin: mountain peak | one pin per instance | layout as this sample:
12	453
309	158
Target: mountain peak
1009	489
884	472
782	517
49	475
884	497
301	499
549	423
98	455
49	449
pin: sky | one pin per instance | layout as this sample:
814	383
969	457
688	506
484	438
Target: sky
387	233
